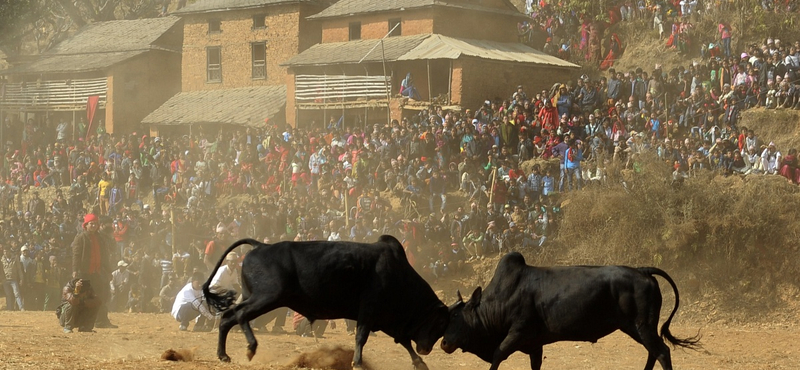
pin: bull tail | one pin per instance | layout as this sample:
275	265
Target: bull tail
223	300
691	343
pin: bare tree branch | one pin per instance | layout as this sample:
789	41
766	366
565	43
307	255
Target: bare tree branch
73	12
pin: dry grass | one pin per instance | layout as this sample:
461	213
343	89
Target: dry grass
643	49
779	126
728	242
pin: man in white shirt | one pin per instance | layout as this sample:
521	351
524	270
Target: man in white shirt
190	305
227	279
227	276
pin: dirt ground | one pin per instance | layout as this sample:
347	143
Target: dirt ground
33	340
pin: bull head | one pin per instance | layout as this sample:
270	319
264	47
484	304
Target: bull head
475	299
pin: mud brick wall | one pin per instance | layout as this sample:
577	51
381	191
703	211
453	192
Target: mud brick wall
287	33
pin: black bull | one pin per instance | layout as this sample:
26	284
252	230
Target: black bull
371	283
525	308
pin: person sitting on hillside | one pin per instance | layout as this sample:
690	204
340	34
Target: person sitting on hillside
789	168
771	159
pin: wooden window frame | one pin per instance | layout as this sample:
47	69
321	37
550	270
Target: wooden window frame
215	68
259	67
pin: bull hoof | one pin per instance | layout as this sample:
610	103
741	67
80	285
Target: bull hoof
356	366
225	358
250	354
420	365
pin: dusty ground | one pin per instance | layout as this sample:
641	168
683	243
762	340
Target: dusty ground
33	340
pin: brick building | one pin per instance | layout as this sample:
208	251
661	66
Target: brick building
131	66
232	50
459	52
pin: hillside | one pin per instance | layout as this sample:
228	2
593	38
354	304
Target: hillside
644	49
729	242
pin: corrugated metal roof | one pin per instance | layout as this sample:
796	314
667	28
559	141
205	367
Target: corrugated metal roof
73	63
443	47
204	6
247	106
352	7
352	51
423	47
126	35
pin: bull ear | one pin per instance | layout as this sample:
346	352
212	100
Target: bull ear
458	296
476	296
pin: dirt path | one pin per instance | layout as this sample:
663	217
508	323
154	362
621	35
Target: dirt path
33	340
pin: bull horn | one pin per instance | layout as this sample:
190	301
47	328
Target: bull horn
458	295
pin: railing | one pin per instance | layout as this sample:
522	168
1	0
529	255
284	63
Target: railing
61	95
332	89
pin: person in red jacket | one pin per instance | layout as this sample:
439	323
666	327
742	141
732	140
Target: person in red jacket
548	116
121	226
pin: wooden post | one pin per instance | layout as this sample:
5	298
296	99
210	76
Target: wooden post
386	84
430	97
491	186
172	221
2	120
346	208
450	87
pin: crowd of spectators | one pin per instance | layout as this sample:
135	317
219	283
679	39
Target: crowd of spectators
578	37
448	184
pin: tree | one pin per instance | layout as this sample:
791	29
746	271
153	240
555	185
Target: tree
34	26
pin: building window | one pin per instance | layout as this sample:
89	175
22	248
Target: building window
355	31
259	22
214	26
259	60
397	31
214	64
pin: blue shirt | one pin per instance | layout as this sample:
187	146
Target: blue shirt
547	184
575	162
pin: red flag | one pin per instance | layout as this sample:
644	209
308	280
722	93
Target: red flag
91	107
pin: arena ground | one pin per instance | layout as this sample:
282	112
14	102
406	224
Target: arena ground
33	340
